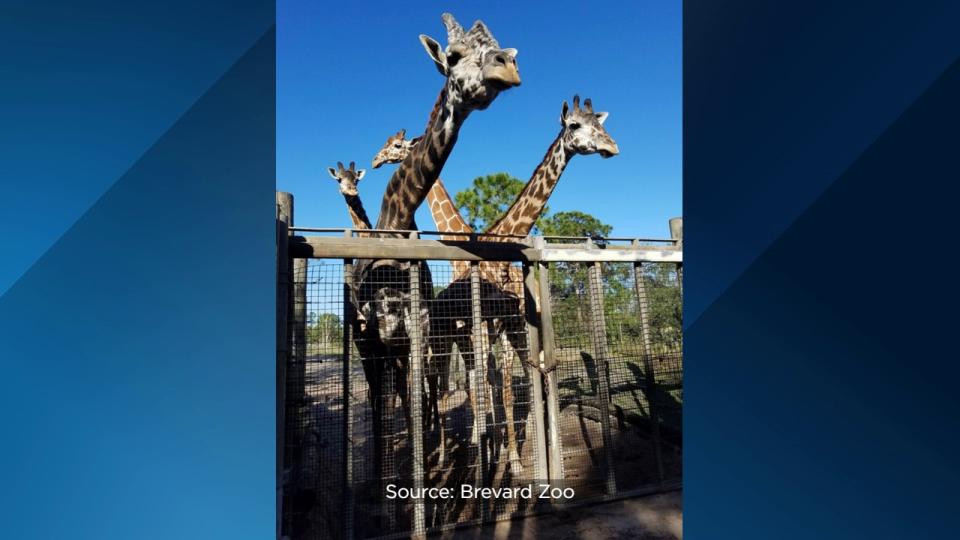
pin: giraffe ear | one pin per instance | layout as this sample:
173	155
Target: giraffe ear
563	112
436	53
602	117
360	174
333	173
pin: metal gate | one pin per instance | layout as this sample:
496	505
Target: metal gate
562	370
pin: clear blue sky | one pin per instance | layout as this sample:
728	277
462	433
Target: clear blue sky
350	74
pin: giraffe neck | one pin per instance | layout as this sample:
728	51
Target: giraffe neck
445	213
417	173
357	214
529	204
448	220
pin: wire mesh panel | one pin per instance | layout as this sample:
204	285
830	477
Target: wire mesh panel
662	294
315	404
479	402
578	381
619	375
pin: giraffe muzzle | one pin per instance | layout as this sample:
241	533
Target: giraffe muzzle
502	76
607	151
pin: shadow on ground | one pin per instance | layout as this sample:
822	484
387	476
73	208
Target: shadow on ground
655	517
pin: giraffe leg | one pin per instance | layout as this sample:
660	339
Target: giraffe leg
466	348
443	431
494	396
515	342
438	360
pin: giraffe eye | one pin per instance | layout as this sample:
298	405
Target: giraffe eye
574	125
397	145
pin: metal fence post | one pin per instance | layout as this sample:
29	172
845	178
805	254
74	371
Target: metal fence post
348	317
415	393
283	277
676	232
548	345
599	331
650	379
530	288
479	365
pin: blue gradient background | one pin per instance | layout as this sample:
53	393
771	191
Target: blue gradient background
136	331
136	290
820	162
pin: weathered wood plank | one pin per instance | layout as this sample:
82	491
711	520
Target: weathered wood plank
418	249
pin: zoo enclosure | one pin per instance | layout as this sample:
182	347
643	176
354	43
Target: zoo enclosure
597	410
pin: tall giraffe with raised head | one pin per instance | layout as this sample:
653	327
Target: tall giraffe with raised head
476	70
582	132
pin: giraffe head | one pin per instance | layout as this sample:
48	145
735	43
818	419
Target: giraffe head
583	131
347	178
475	66
395	150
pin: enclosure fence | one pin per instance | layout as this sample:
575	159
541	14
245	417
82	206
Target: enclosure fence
412	363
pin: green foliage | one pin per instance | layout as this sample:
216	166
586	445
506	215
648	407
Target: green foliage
490	196
488	199
324	329
573	223
665	306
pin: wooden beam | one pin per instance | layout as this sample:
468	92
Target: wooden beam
452	250
612	254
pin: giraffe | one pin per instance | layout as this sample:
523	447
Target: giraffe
582	132
476	70
348	179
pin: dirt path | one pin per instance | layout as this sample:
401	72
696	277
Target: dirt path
656	517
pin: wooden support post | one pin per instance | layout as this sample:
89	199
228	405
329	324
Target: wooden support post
599	331
298	333
298	306
348	318
531	292
415	393
283	293
650	379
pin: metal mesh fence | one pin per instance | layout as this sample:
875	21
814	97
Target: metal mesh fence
619	372
439	388
467	418
314	458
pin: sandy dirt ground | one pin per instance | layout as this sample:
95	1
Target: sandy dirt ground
655	517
